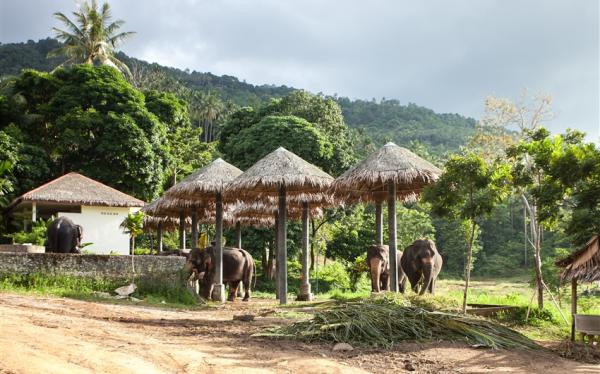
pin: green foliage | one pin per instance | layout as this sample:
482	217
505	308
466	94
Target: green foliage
387	120
293	133
309	125
89	119
36	236
452	240
551	272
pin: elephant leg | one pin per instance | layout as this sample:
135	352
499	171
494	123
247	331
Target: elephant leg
233	286
247	289
385	281
402	283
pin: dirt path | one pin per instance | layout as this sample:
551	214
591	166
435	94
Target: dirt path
53	335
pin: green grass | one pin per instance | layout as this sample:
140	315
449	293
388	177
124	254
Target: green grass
151	290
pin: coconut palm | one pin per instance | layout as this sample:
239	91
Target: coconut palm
209	109
91	38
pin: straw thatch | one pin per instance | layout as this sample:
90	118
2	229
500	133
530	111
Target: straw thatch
166	223
279	168
162	207
204	183
583	265
259	210
368	180
74	188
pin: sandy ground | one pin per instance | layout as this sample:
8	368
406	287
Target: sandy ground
54	335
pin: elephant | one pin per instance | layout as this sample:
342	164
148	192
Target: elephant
379	268
63	236
238	266
421	259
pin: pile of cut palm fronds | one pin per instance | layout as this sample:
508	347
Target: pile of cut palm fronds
383	322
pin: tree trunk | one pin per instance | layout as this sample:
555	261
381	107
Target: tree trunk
468	266
536	242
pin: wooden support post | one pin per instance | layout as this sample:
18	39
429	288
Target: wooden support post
392	233
182	231
219	288
194	229
573	306
282	246
33	212
305	294
238	234
159	237
379	223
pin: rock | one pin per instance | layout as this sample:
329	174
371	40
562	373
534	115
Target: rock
135	299
342	347
244	317
126	290
409	366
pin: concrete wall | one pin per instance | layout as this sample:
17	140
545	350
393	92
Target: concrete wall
101	227
104	266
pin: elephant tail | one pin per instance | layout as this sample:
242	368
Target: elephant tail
254	273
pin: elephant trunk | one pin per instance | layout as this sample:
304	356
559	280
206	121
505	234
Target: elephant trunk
375	267
427	274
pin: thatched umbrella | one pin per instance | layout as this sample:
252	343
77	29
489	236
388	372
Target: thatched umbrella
280	173
206	186
166	207
580	266
393	172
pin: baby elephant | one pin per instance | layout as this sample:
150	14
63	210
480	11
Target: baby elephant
378	259
421	259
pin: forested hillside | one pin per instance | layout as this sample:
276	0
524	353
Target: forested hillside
387	120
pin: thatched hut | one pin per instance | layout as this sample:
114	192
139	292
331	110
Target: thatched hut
165	208
98	208
582	266
390	173
282	174
205	186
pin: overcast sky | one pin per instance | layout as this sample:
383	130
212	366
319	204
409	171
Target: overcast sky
447	54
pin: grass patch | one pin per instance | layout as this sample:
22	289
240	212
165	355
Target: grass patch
154	290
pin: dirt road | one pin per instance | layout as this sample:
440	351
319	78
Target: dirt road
54	335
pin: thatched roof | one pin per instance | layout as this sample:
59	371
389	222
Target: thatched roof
583	265
280	167
165	207
259	210
367	181
74	188
167	223
204	183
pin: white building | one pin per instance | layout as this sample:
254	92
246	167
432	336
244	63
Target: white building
98	208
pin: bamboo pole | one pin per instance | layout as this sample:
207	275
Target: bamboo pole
282	246
379	223
573	306
392	233
219	288
194	229
182	230
305	294
159	238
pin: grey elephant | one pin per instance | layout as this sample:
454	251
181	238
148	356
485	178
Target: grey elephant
63	236
378	257
421	259
238	267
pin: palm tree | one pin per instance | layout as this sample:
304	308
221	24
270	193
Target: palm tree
91	38
133	225
210	108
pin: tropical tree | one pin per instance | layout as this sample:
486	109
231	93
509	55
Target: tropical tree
133	225
206	108
468	190
91	38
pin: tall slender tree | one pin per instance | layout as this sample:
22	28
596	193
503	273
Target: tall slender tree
91	37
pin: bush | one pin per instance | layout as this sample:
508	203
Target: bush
37	235
537	317
331	276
